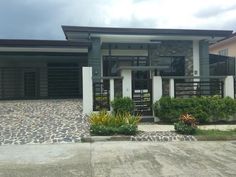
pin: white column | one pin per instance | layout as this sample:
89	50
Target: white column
87	90
172	88
196	60
156	88
127	83
229	87
112	91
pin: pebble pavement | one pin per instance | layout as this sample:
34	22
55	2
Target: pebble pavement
42	121
57	121
161	136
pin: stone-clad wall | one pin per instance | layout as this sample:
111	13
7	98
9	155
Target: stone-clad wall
175	48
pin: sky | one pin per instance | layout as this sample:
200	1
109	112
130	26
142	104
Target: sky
42	19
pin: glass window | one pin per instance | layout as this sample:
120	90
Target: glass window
112	63
175	64
223	52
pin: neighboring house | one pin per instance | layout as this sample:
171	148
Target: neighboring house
225	47
223	54
53	69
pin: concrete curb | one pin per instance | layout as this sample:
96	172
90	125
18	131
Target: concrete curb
105	138
219	138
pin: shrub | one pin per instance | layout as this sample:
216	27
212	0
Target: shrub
122	105
100	118
204	109
183	128
102	130
127	129
103	123
187	124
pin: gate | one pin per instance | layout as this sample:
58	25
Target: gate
142	96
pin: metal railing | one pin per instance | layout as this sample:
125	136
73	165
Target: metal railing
199	88
188	86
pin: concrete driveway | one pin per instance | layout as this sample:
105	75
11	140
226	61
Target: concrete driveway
119	159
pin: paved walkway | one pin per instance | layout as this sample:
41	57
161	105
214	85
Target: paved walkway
42	121
120	159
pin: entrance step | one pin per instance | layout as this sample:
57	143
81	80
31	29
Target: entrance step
147	119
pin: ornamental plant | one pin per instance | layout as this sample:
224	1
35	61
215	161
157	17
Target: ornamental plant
104	123
187	124
188	119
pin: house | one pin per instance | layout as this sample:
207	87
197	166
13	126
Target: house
222	56
34	69
225	47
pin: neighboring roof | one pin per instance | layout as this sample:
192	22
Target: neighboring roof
43	43
228	39
146	31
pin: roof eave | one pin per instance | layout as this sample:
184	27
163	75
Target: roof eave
145	31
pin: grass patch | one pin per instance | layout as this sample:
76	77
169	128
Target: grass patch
214	135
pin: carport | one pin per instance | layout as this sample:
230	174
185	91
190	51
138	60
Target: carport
34	69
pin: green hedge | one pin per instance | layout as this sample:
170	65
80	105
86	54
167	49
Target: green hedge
204	109
126	129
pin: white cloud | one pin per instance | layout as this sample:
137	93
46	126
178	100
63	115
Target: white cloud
42	19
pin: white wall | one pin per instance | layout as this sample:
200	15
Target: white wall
127	83
87	90
196	60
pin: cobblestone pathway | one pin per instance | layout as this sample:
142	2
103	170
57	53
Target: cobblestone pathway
42	121
162	136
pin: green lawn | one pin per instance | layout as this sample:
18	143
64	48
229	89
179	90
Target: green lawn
209	135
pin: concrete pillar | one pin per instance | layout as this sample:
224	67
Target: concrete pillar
127	83
196	60
172	88
156	88
87	90
229	87
112	91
